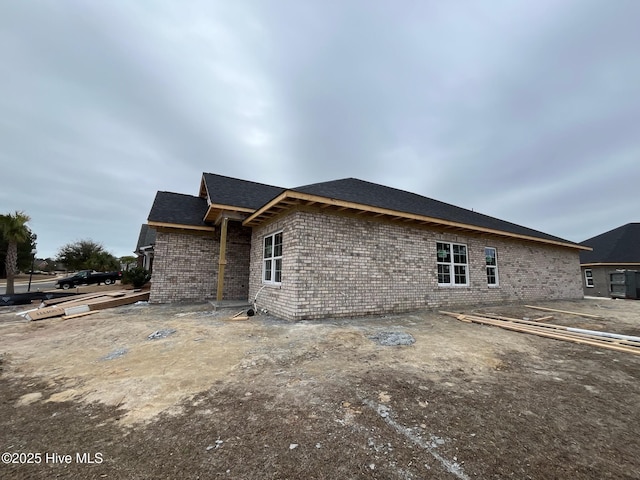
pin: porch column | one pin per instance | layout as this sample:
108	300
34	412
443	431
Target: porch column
222	261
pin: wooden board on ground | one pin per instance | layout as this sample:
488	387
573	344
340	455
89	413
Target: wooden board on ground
116	302
97	303
92	298
563	311
80	298
83	314
550	331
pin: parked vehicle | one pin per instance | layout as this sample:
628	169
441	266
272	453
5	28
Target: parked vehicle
88	277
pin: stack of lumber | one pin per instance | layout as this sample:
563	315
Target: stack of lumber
595	338
86	304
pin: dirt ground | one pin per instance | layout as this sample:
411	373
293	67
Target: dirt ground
94	397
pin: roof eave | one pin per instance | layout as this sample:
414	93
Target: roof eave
290	198
216	209
180	226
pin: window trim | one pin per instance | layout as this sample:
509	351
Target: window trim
452	265
494	267
586	279
273	259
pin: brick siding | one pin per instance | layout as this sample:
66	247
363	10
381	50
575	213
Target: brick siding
186	265
338	265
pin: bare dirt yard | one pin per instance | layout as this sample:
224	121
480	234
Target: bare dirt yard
95	397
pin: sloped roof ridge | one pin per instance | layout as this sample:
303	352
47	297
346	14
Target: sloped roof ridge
618	245
621	228
178	193
500	223
242	180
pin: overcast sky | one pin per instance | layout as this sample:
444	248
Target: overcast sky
528	111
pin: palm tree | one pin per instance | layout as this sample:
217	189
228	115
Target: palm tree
14	230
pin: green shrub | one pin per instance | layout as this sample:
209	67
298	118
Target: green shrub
137	276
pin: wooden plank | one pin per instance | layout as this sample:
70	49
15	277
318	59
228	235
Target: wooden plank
116	302
82	297
563	311
97	303
593	334
94	298
236	318
546	333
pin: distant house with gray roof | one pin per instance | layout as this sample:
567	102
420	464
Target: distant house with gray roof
615	251
345	248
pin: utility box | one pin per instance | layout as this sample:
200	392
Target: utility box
625	284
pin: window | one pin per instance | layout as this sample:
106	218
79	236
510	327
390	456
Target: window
588	277
452	264
272	259
492	265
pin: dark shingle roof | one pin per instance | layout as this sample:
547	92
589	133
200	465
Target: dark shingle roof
169	207
239	193
620	245
147	236
375	195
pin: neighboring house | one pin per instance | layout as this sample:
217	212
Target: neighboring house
345	248
613	251
144	248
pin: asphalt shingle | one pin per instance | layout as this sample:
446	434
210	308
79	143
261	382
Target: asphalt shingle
146	237
375	195
239	193
177	208
620	245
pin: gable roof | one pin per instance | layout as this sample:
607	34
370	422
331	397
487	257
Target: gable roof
234	194
618	246
146	238
178	210
361	196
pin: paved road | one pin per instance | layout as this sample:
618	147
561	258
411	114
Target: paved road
21	287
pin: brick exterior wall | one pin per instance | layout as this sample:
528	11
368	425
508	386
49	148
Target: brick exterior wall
337	266
186	265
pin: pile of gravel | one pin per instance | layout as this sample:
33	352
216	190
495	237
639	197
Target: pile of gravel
161	334
393	338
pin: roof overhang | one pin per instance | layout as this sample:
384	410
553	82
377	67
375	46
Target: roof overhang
179	226
290	199
217	210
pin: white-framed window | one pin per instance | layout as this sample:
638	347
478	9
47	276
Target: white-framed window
453	267
491	259
588	277
272	259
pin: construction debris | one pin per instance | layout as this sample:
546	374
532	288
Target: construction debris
115	354
611	341
563	311
393	338
238	316
81	305
161	334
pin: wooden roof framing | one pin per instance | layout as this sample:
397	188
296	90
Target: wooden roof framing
291	198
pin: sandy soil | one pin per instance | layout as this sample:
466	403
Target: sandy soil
264	398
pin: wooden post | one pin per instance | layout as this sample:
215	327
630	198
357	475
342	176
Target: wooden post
222	262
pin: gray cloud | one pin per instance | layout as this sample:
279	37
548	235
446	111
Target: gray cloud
527	112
